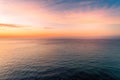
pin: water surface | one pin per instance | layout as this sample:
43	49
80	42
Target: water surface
60	59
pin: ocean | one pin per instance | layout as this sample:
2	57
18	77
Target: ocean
60	59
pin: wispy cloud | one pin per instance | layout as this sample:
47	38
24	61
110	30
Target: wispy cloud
49	27
10	25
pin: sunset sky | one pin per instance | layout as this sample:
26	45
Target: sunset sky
59	18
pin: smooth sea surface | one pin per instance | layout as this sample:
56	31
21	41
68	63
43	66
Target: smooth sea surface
60	59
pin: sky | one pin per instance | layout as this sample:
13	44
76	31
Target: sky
59	18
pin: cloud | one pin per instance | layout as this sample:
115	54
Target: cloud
49	27
10	25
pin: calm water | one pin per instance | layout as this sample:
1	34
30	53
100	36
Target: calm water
60	59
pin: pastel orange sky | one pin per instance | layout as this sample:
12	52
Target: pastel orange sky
59	18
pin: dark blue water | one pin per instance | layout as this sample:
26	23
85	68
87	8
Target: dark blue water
60	59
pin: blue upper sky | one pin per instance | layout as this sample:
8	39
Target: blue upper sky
83	4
